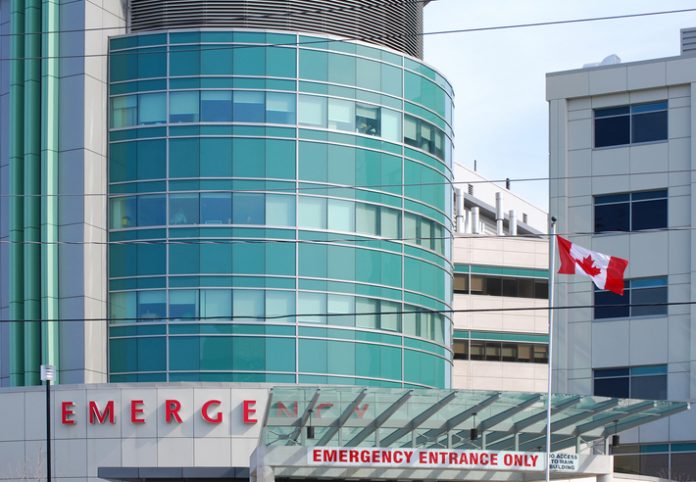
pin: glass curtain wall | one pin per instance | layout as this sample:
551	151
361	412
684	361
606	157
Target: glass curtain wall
279	210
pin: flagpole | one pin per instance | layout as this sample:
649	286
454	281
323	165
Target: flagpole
552	277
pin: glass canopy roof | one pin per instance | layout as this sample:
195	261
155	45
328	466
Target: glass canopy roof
379	417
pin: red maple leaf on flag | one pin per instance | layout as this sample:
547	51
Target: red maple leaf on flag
587	265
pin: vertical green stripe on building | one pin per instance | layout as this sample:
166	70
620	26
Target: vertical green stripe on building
32	191
16	218
50	79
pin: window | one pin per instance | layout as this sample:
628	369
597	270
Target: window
248	106
635	211
367	120
280	108
642	297
501	286
341	115
421	134
630	124
124	111
641	382
216	106
216	208
183	209
183	106
504	351
152	108
311	110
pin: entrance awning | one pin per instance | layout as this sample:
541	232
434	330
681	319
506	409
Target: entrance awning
430	419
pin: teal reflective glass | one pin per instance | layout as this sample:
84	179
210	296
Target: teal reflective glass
183	209
216	106
216	208
217	59
183	106
281	62
152	108
124	111
216	304
228	193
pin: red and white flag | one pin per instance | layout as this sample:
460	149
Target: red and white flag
607	272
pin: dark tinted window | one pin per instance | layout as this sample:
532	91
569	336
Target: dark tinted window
501	351
612	131
611	387
642	297
501	286
631	211
649	214
616	126
641	382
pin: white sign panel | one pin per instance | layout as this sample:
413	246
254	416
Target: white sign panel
450	459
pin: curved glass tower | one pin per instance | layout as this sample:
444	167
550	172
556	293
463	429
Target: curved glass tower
279	210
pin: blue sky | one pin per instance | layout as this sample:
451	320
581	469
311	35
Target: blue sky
501	116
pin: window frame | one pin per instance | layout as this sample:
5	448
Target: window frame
646	283
633	110
631	201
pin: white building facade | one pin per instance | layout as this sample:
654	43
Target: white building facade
621	182
498	345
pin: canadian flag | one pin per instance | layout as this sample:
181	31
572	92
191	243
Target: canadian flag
607	272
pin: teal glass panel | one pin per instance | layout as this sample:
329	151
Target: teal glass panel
123	66
310	307
152	62
341	69
248	305
151	210
121	258
217	59
184	106
313	161
184	353
152	108
341	263
249	60
280	159
391	80
280	108
151	159
249	258
341	165
341	215
248	208
216	157
312	110
280	259
184	60
313	65
248	157
313	260
124	111
280	307
122	307
183	209
424	278
122	161
216	208
216	258
369	74
183	305
281	62
424	369
122	212
216	304
184	157
137	354
377	361
183	259
280	210
216	353
151	259
248	106
312	212
216	106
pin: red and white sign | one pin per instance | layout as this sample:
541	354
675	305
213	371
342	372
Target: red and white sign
447	459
